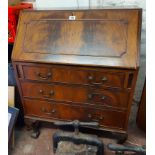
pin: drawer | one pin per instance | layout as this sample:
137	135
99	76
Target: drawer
76	94
39	73
47	110
74	75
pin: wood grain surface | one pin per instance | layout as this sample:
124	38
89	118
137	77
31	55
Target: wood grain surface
83	69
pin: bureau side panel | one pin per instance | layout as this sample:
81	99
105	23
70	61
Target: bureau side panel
132	83
18	75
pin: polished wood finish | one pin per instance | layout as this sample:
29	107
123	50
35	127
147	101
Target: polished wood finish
83	69
96	38
76	94
106	118
74	75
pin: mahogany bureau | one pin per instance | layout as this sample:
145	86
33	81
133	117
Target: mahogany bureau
78	65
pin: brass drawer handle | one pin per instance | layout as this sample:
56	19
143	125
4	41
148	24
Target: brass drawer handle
46	96
89	116
48	113
53	111
101	117
42	77
104	79
103	97
90	96
90	77
97	83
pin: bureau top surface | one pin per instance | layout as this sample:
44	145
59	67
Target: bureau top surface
105	37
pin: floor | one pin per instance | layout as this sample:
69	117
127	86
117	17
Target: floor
25	145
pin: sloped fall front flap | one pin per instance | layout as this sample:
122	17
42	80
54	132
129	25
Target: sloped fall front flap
108	37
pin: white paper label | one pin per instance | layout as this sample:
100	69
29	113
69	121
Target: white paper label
72	17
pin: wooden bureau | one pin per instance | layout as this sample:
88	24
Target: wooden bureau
78	65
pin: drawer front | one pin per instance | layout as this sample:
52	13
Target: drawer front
77	94
37	73
44	109
74	75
